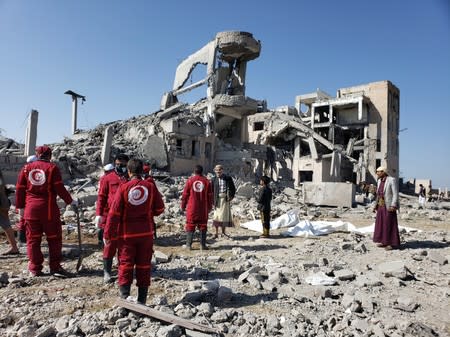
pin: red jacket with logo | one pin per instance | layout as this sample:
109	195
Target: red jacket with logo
37	186
197	198
134	205
108	186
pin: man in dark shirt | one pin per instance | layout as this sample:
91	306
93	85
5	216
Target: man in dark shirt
264	199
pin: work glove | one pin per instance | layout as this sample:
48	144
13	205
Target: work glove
98	220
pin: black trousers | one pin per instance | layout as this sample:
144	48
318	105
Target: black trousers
265	219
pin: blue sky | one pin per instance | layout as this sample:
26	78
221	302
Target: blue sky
123	54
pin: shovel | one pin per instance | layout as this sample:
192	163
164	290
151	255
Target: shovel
80	249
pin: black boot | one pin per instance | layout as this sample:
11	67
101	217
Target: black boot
124	291
107	267
22	237
189	236
100	238
203	240
142	295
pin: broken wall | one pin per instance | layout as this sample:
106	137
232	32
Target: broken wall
329	194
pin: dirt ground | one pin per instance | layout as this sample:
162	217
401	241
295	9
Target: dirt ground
85	292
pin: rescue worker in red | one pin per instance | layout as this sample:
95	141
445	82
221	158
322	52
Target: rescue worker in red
147	176
197	199
38	184
129	220
108	186
107	169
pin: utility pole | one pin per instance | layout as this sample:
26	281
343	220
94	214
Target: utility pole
75	98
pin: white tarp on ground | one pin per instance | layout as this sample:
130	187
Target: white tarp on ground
306	228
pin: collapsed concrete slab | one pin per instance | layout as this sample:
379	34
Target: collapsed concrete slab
330	194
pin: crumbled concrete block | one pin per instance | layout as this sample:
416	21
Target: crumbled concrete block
394	269
253	270
438	258
347	246
361	248
378	331
406	303
214	258
344	274
269	286
161	257
360	324
255	281
323	292
367	280
309	265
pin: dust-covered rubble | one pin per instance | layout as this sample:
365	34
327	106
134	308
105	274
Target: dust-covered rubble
334	285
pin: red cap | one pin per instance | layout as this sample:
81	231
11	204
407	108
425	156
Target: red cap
44	152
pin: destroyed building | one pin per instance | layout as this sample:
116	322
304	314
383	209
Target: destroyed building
325	144
322	139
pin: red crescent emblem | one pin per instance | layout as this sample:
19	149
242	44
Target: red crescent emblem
137	195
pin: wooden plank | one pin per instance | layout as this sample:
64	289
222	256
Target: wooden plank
163	316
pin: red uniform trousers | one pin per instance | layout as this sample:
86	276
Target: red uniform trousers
53	233
135	253
190	227
110	249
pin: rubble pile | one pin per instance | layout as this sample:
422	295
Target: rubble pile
80	156
335	285
8	145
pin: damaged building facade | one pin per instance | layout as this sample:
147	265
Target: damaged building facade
325	144
322	139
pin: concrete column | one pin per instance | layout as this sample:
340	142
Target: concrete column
106	150
335	168
31	133
242	73
360	107
74	114
312	147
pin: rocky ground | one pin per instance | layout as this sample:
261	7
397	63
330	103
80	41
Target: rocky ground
334	285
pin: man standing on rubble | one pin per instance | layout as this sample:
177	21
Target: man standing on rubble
224	191
422	196
108	186
197	200
38	185
264	200
386	205
129	220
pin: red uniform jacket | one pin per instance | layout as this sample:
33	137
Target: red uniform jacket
198	199
37	186
134	205
108	186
